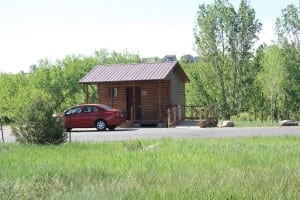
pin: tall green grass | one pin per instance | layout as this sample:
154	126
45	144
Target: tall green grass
238	168
245	123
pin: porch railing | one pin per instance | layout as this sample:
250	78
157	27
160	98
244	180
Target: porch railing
192	113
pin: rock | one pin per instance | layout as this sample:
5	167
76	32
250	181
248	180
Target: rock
288	123
210	122
227	124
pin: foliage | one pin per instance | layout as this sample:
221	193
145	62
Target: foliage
287	26
202	90
288	32
33	122
244	116
291	83
224	38
240	168
11	85
272	78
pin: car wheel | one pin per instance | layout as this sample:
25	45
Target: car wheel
111	128
101	125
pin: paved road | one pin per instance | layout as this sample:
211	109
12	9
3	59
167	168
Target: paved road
179	132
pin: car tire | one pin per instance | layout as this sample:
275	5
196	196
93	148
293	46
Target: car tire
101	125
111	128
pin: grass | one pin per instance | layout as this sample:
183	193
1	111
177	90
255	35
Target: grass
236	168
240	123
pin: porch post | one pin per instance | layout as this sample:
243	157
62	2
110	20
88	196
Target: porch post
86	92
159	101
134	104
179	112
98	92
169	118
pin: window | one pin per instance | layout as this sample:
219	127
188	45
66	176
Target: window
113	92
73	111
94	109
89	109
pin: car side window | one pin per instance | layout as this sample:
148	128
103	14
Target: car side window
74	111
89	109
94	109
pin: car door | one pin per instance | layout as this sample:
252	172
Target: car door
73	117
89	116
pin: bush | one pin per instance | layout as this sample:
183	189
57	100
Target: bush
244	116
34	123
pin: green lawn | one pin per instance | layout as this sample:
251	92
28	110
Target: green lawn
236	168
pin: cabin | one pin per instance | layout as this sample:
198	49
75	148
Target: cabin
143	91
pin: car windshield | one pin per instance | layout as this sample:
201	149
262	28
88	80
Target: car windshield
106	107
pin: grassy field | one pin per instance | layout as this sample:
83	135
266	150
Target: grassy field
238	168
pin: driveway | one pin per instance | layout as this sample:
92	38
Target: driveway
120	134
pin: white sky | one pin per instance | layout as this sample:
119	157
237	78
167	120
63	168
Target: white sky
31	30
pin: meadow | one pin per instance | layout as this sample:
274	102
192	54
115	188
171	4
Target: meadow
235	168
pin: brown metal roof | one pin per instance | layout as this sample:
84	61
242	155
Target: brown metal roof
131	72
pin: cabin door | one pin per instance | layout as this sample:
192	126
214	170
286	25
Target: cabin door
133	103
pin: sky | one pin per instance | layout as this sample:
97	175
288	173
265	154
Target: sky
32	30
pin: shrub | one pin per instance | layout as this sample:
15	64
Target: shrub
244	116
34	123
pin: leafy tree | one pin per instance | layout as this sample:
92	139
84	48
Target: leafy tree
10	85
287	26
103	56
202	89
73	69
60	79
224	39
272	78
291	83
34	123
258	101
288	32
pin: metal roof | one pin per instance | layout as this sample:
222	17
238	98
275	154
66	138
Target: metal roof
131	72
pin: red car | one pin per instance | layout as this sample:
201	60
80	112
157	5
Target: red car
99	116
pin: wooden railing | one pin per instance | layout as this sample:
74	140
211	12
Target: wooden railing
204	114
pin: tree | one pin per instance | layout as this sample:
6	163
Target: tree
224	39
202	89
33	122
10	85
287	26
258	101
272	78
288	32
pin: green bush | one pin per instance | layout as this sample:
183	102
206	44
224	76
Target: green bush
34	123
244	116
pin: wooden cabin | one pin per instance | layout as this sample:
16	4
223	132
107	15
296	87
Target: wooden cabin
144	91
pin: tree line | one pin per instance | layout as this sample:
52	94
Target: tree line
254	84
259	84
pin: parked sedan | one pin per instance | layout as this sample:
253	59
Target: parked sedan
100	116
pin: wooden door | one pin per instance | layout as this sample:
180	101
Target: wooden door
133	103
138	103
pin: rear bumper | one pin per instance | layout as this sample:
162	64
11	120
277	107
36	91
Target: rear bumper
115	122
